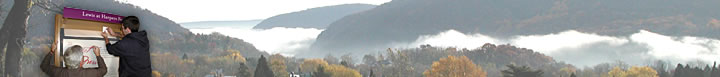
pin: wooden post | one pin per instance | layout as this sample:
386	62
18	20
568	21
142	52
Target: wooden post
56	50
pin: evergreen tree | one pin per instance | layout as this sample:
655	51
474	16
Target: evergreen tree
715	70
692	72
679	71
262	69
707	71
687	71
243	71
521	71
572	75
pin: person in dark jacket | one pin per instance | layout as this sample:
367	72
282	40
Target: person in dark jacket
133	49
73	62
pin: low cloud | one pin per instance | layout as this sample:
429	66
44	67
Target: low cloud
684	49
453	38
587	49
566	39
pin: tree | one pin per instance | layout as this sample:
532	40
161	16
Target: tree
347	61
12	34
323	69
688	71
341	71
706	71
454	67
641	71
401	65
679	71
310	65
243	71
320	72
277	64
572	75
235	55
661	67
715	71
369	59
262	69
331	59
616	72
565	71
634	71
521	71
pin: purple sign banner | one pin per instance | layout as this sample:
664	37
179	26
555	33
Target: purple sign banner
91	15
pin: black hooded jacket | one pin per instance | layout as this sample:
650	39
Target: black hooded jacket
134	53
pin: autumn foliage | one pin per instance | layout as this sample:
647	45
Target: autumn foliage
333	70
341	71
453	66
310	65
635	71
278	66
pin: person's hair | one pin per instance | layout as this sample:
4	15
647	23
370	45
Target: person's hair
131	22
73	56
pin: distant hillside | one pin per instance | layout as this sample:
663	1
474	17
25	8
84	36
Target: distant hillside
225	24
492	58
405	20
319	17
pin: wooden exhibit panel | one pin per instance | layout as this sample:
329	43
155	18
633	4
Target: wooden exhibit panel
80	27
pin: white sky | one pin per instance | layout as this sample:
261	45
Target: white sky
223	10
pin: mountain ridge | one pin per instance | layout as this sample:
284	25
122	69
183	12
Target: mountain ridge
319	17
405	20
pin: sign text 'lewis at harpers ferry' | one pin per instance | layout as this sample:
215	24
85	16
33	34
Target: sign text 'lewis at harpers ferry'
91	15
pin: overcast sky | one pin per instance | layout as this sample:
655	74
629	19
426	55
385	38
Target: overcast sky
223	10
